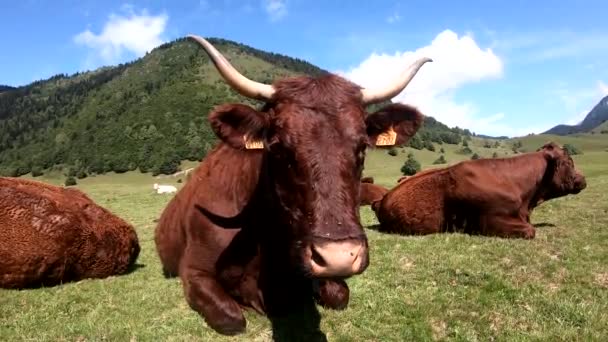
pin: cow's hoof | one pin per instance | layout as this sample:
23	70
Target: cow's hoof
529	233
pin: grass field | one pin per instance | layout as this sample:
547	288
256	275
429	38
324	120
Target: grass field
441	287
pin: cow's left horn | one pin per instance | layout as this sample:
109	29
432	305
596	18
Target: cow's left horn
396	86
235	79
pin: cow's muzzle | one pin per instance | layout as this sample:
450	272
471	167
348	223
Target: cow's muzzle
342	258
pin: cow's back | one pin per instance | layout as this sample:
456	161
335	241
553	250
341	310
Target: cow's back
50	235
415	205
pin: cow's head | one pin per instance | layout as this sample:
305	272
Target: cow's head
315	132
565	179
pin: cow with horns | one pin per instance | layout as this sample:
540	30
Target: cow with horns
274	207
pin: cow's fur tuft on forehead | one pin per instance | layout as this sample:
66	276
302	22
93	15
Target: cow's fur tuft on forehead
327	92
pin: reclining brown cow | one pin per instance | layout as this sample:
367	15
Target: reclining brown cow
51	235
273	209
370	192
484	196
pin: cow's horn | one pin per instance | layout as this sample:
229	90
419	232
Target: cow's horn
235	79
396	86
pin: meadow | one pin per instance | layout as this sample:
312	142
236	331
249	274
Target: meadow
440	287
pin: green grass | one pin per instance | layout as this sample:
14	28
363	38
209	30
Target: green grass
446	287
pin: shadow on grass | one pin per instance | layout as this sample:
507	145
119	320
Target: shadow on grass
42	284
543	224
134	267
292	310
301	324
375	227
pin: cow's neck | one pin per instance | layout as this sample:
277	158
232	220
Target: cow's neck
542	194
530	172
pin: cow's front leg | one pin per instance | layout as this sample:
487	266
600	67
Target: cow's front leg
207	297
331	294
506	226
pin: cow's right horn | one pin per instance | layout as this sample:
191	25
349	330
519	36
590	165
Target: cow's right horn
391	90
235	79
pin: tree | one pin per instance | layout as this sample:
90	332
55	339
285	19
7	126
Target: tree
440	160
429	145
466	150
70	181
411	166
81	174
494	155
465	143
516	146
36	171
571	149
392	151
475	156
416	143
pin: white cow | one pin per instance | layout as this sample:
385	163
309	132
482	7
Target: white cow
164	189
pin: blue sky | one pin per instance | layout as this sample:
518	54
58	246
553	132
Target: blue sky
500	67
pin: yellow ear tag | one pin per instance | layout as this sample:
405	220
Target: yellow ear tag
387	138
253	144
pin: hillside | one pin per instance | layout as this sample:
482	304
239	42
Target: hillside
149	114
596	117
4	88
603	128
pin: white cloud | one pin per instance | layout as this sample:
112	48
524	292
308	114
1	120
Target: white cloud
457	61
578	118
135	33
576	99
276	9
395	17
603	88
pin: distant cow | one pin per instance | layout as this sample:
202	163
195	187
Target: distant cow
273	209
164	189
484	196
51	235
370	192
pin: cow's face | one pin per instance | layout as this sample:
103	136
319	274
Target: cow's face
565	178
315	161
315	133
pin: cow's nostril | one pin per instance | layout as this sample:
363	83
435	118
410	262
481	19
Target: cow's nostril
316	257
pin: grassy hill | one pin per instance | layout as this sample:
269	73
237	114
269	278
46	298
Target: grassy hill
148	115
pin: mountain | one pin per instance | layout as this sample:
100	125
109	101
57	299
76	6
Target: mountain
149	114
596	117
4	88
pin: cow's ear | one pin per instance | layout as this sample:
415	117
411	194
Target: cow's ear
551	151
239	125
394	124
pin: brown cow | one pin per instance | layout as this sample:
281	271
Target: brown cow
370	192
286	179
51	235
484	196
